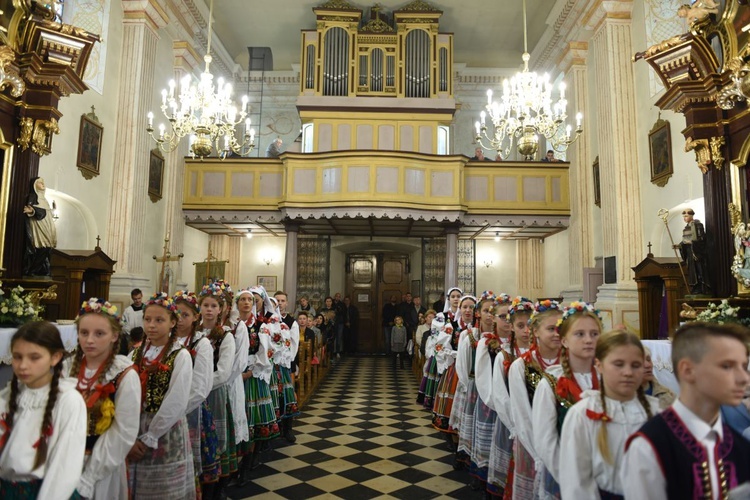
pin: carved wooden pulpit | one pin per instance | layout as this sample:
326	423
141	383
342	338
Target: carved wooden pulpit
656	277
84	273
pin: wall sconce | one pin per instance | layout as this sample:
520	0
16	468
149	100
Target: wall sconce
268	259
55	212
487	263
497	237
249	234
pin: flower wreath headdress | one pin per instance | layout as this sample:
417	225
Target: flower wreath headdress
520	305
163	300
188	297
95	305
216	289
578	306
228	292
544	306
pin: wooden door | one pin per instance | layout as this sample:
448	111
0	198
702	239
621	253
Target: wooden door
371	279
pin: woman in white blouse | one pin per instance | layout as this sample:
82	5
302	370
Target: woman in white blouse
43	426
111	388
593	436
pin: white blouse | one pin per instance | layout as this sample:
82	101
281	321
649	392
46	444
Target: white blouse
226	361
105	472
66	447
583	471
259	363
544	418
483	373
236	387
464	358
174	406
444	354
520	406
203	368
500	394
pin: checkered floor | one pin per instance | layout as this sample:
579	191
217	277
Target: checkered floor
361	436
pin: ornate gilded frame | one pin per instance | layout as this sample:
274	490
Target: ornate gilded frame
155	175
8	150
660	153
89	145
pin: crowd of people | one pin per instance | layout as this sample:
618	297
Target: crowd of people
536	402
182	415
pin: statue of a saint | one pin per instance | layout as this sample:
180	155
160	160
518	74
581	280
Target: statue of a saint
41	235
693	252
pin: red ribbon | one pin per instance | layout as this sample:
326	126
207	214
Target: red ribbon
598	416
101	390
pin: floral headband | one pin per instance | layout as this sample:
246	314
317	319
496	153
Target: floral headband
227	289
187	297
95	305
163	300
544	306
243	291
520	305
216	289
578	307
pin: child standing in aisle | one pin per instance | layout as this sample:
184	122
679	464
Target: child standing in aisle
111	388
398	341
523	377
212	301
562	385
161	462
687	451
43	426
202	429
592	440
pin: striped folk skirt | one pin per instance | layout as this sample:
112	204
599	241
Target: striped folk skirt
441	411
261	413
430	381
501	453
282	393
484	425
462	416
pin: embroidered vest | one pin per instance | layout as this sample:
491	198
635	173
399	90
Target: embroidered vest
684	460
533	374
94	414
157	383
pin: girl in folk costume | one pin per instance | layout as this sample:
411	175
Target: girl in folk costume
43	426
523	378
430	378
465	324
212	300
260	411
201	427
445	351
593	436
488	347
282	386
562	386
475	435
450	309
235	389
501	468
161	461
111	389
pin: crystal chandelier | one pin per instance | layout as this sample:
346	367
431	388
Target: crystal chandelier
525	112
204	112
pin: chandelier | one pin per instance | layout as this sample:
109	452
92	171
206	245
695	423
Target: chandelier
204	112
526	111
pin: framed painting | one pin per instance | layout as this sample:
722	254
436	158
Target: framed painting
660	153
155	175
89	145
269	283
597	184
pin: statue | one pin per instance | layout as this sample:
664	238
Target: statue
741	261
41	235
693	252
698	11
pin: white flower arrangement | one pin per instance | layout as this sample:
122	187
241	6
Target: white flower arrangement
721	313
17	308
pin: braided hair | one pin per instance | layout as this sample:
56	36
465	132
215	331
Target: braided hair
102	308
44	334
604	346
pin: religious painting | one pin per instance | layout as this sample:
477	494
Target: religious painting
597	184
155	175
89	145
269	283
660	152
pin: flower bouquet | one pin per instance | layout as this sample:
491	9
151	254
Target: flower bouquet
721	313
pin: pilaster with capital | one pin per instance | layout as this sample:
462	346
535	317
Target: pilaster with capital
129	195
615	124
290	262
451	257
530	267
228	248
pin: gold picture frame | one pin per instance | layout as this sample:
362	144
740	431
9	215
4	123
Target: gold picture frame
89	145
269	283
660	153
155	175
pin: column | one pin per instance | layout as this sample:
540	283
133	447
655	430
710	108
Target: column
580	238
451	257
228	248
290	263
530	266
126	229
615	125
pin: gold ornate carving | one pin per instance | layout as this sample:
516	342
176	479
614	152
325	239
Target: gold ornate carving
419	6
659	47
377	26
27	127
8	76
417	20
702	152
337	4
716	156
38	296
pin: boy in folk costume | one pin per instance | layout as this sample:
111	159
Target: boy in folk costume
687	451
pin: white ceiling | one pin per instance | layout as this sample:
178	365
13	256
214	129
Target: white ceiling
487	33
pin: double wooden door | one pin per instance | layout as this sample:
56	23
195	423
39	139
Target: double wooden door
371	280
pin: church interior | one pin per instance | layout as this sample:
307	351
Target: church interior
376	176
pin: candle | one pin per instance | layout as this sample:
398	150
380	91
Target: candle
477	127
171	88
489	96
161	130
150	119
579	120
562	90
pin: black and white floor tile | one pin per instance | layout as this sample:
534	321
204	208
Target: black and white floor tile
361	436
